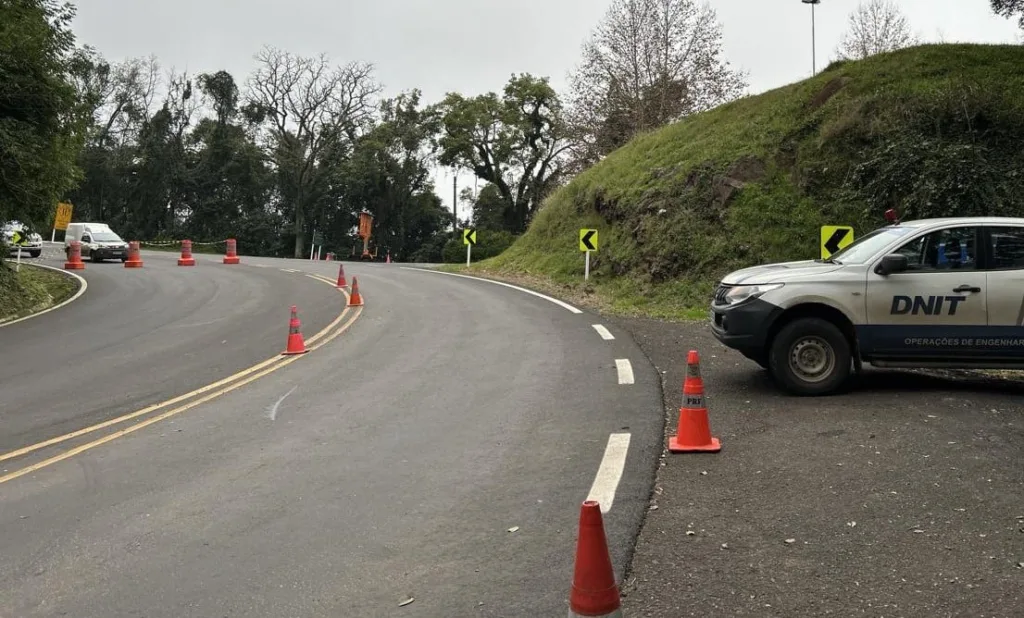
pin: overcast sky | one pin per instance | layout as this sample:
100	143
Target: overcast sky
473	46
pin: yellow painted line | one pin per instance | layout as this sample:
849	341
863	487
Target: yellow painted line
156	419
170	402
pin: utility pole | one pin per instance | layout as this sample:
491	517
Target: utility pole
455	200
814	46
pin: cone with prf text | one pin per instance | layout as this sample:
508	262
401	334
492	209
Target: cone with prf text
295	343
134	260
594	591
693	434
355	299
341	276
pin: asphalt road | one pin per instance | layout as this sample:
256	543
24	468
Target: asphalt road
903	498
140	336
436	450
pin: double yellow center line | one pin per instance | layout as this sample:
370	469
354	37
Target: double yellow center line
209	392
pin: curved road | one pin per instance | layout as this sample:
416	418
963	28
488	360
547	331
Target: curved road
140	336
436	450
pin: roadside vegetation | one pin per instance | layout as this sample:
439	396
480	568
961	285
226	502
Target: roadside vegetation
933	131
31	290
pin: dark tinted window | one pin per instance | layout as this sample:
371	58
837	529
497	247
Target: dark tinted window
949	249
1008	247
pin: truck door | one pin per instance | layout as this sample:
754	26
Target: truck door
937	308
1005	292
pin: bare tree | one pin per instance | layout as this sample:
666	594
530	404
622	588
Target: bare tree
648	63
876	27
310	109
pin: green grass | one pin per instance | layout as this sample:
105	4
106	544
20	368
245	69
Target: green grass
932	130
31	290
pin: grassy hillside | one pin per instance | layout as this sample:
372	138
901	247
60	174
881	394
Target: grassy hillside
31	290
932	130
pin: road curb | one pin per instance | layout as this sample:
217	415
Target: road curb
81	290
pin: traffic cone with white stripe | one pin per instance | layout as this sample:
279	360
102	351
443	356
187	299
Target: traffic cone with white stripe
594	591
693	433
355	299
341	276
295	343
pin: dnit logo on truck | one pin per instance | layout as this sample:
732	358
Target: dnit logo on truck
928	305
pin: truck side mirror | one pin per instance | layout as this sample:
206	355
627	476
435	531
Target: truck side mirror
892	263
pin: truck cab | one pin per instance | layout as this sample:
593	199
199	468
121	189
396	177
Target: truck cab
930	293
99	242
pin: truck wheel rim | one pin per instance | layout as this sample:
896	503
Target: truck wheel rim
812	359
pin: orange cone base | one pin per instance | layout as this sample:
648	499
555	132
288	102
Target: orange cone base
131	264
74	265
295	346
675	447
355	302
232	259
186	261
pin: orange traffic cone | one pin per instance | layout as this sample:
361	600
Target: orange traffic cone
74	257
594	591
355	299
693	433
341	276
389	257
231	255
134	260
186	258
295	343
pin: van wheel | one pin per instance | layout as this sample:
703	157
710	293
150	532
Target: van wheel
94	257
809	357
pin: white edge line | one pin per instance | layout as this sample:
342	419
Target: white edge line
606	482
625	369
81	290
562	304
604	332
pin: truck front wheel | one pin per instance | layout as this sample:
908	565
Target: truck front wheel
810	356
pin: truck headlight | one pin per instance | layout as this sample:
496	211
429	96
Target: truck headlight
743	293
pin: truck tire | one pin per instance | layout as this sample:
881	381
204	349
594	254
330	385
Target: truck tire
810	357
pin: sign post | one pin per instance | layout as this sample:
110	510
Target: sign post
18	240
834	238
468	239
588	243
365	230
61	219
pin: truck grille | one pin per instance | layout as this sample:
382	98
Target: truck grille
720	293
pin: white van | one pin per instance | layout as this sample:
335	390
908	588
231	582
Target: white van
99	242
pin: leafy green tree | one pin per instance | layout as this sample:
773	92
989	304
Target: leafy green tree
312	114
514	141
231	185
42	120
1010	8
389	175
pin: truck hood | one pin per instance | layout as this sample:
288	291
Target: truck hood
782	272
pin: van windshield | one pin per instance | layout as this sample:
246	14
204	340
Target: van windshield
867	246
105	237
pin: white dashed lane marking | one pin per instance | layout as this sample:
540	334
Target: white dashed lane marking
605	334
625	370
606	483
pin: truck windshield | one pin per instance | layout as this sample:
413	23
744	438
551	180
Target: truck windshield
867	246
105	237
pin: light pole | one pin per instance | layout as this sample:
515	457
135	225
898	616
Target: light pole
814	47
